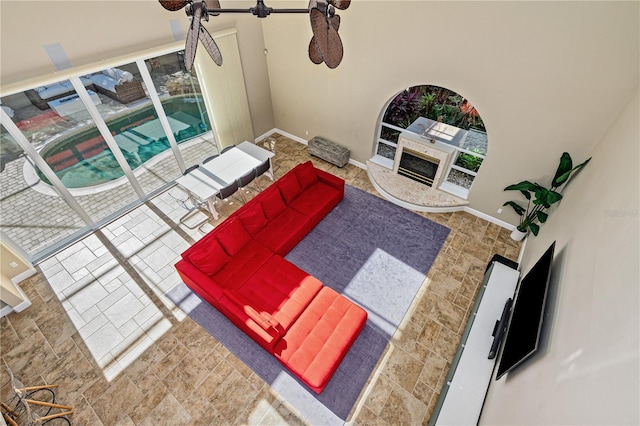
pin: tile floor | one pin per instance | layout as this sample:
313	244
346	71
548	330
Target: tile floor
122	353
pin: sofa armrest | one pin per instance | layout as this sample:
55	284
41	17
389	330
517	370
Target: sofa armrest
265	320
199	282
332	180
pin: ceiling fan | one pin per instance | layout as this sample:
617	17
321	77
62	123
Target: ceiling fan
325	45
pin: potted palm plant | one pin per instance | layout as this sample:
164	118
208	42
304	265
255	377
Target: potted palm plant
540	198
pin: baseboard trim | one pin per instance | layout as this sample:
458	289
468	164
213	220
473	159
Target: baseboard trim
491	219
24	275
22	306
5	311
283	133
357	164
264	135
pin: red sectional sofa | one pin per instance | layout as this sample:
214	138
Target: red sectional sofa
240	270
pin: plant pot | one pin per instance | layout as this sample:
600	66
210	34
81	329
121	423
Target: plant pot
518	235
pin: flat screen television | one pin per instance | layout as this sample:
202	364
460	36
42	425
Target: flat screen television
523	333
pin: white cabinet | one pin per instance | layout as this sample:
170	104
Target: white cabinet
463	394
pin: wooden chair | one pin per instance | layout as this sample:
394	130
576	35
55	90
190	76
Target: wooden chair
33	405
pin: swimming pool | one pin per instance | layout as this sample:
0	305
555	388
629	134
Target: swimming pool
82	158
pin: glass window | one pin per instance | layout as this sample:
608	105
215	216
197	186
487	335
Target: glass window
460	178
32	219
55	120
134	124
182	101
388	141
389	133
468	161
386	150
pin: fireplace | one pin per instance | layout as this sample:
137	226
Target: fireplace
418	166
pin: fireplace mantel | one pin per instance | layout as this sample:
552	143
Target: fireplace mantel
411	194
436	150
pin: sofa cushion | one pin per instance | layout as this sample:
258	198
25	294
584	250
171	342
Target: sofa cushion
280	289
316	201
315	345
242	265
271	202
289	187
306	174
52	91
284	231
209	258
104	82
252	218
118	74
232	236
85	81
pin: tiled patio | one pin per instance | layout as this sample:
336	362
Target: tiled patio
101	327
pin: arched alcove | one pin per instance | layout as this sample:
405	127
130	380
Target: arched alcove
432	142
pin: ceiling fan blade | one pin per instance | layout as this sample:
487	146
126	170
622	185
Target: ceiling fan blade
326	37
210	45
173	5
335	22
320	28
192	36
335	52
340	4
314	52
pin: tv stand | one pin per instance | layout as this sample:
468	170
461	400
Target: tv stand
463	393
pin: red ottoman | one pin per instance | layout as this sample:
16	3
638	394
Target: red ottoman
317	342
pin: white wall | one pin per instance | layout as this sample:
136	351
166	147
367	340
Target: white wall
587	370
13	269
546	77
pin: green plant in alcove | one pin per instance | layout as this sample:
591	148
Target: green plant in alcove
469	162
540	198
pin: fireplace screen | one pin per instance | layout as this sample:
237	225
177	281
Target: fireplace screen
419	167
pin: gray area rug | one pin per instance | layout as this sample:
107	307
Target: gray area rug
375	253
